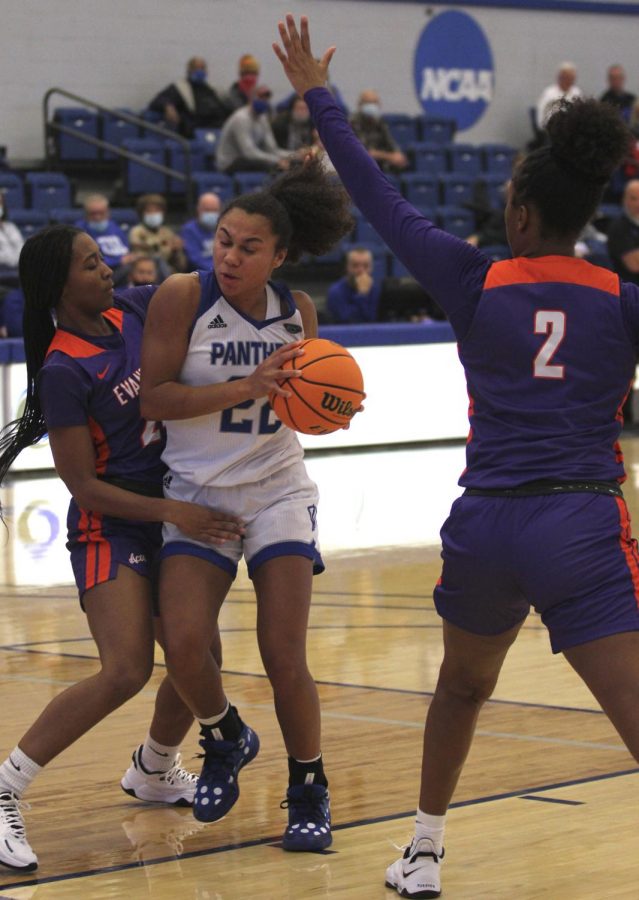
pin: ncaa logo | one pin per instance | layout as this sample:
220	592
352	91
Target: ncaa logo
453	69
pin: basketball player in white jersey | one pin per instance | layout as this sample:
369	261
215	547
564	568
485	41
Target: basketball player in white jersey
214	347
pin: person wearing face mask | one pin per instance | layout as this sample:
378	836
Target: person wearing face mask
292	126
375	134
623	235
11	242
241	91
247	142
191	102
151	237
198	233
112	241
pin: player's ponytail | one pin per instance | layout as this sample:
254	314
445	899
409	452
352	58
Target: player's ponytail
565	178
308	209
44	267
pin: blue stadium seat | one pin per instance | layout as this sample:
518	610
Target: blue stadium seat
365	232
455	189
436	130
175	156
216	182
495	188
421	189
49	190
138	178
82	120
455	220
12	188
247	182
116	131
428	157
397	269
498	159
66	215
208	136
465	158
125	217
403	128
497	251
29	220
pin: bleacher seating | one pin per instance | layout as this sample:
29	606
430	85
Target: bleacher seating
138	178
116	131
421	189
246	182
49	190
498	159
404	128
455	220
428	157
72	148
66	215
29	220
175	159
436	130
464	158
124	216
217	182
455	189
12	187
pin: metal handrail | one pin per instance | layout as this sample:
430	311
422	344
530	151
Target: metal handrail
50	126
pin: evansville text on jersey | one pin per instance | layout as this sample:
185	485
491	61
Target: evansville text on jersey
128	388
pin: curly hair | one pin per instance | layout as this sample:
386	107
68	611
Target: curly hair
308	210
565	178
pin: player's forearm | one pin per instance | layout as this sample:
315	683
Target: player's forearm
171	400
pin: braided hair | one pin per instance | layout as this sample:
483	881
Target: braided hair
44	265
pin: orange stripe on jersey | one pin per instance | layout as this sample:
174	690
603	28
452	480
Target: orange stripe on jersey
628	546
73	346
115	316
102	450
544	269
104	561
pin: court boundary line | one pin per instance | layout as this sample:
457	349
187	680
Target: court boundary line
358	823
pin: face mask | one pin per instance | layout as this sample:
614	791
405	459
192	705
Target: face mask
153	220
261	106
100	226
370	109
209	219
198	76
247	83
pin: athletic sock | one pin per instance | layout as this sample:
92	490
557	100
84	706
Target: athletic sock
431	827
306	771
17	772
226	726
156	757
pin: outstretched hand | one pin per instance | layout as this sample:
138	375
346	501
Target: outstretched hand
301	68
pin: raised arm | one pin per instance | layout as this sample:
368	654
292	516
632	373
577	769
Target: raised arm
449	269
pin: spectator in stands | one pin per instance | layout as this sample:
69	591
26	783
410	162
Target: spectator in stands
617	94
375	134
241	91
292	126
623	235
335	91
247	142
107	234
354	298
191	102
565	88
143	271
11	242
197	234
151	237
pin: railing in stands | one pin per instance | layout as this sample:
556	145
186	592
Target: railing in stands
51	127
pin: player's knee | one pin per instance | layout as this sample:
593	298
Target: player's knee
127	678
185	650
284	667
468	687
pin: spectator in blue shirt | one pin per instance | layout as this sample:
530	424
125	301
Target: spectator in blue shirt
354	298
198	233
107	234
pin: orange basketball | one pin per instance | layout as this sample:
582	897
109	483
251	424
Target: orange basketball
326	395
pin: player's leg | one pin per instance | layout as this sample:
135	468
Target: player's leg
192	590
283	586
467	678
118	612
610	668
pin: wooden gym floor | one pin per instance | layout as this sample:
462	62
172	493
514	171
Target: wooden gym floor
547	805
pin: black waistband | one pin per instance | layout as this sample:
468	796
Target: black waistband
146	488
545	488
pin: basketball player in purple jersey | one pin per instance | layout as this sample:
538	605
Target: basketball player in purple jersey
548	343
83	386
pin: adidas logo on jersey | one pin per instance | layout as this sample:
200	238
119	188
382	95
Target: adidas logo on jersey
217	322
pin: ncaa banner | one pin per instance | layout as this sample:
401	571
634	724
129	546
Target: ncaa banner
453	69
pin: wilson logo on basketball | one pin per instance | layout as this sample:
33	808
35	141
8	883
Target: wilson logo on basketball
335	404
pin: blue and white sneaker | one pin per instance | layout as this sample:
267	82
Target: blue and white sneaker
309	818
417	873
217	787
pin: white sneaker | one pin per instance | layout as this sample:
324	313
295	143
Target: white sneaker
177	786
417	873
15	852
